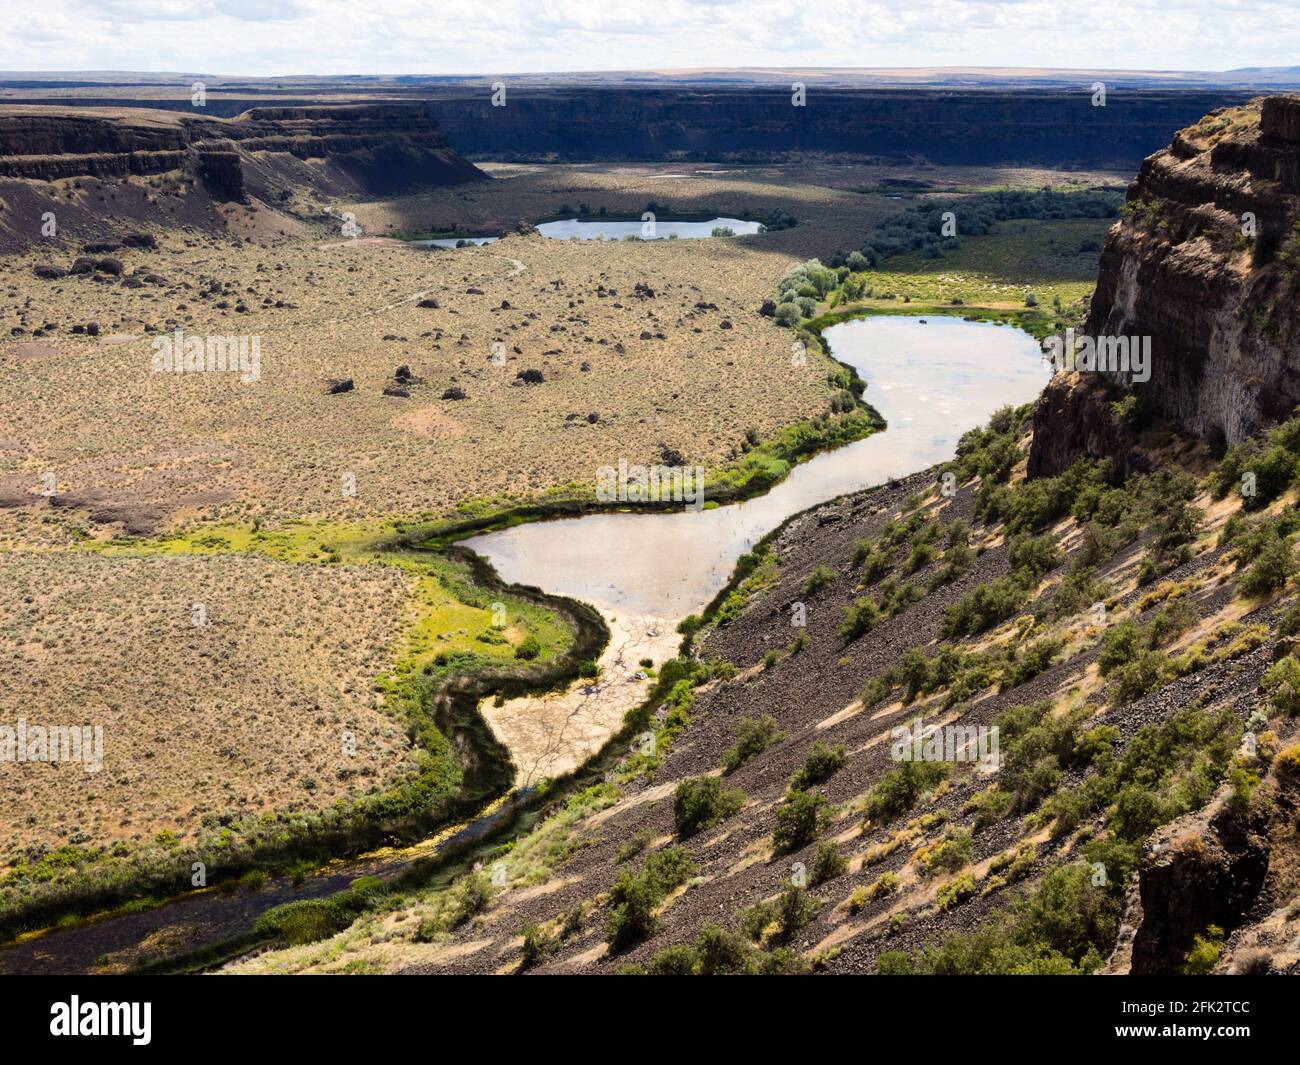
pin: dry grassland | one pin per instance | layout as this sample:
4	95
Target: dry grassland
242	715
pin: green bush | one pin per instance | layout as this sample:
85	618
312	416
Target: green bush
538	943
828	864
1204	955
955	891
1149	671
1272	568
1282	683
950	854
1035	556
900	789
753	737
819	578
800	818
634	897
820	764
701	801
1065	925
982	607
860	617
1036	659
787	915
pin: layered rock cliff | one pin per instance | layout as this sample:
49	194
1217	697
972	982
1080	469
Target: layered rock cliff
1051	126
1205	262
950	126
366	148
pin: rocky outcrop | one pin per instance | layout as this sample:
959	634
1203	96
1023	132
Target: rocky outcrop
1229	867
1207	263
1201	871
371	148
1084	405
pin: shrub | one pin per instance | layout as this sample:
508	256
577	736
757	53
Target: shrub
719	952
1065	925
876	563
1204	955
899	790
955	891
795	910
1287	762
828	864
1282	683
860	617
1035	555
990	806
800	818
538	943
883	886
1149	671
677	960
1290	622
1119	645
784	917
528	648
634	846
1138	811
470	897
982	607
948	855
753	736
818	579
701	801
820	764
1037	658
1270	571
633	897
894	963
788	314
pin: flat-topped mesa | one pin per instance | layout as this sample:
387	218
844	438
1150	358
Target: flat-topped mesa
1205	262
375	148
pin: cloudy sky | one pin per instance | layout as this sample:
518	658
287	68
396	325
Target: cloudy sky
271	37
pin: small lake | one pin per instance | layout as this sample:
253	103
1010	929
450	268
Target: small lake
932	380
606	229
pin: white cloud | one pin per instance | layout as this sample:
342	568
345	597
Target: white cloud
268	37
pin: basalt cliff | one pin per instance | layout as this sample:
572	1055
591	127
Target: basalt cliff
1205	262
264	153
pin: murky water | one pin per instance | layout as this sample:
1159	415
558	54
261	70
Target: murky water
604	229
932	379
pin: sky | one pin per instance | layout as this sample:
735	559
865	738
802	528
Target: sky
497	37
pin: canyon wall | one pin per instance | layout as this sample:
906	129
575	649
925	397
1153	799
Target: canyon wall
1205	262
1048	126
968	126
365	148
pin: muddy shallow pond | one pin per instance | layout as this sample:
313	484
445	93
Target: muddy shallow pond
931	378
